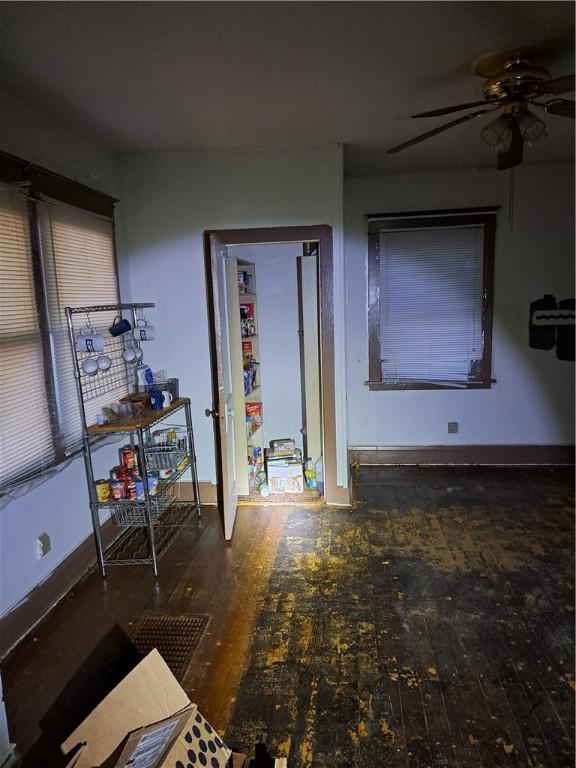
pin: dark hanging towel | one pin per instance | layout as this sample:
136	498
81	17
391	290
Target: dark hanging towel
565	337
542	336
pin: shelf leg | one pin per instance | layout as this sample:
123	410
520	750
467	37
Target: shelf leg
144	472
192	459
94	511
87	453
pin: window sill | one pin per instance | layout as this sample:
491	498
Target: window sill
379	386
27	482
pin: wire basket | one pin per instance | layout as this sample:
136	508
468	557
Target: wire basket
135	516
133	513
166	457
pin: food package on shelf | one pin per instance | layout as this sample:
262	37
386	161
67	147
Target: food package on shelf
253	418
282	444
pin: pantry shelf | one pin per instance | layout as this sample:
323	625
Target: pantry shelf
246	376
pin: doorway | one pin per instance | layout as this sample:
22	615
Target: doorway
234	259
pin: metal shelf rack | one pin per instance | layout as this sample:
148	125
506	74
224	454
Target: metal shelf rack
151	524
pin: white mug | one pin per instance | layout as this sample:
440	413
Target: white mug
168	397
104	363
130	354
90	366
88	340
143	331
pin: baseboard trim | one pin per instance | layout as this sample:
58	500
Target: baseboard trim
22	619
465	455
208	493
338	496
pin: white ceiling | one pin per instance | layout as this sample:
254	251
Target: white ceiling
163	75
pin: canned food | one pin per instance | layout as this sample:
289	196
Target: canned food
260	478
139	483
129	457
117	490
102	491
130	487
172	437
119	473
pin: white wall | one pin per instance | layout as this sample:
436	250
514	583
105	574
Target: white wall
58	506
532	401
277	309
169	200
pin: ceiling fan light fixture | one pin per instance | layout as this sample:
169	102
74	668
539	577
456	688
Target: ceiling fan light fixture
532	128
498	133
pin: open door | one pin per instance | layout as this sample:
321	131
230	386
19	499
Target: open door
220	297
223	408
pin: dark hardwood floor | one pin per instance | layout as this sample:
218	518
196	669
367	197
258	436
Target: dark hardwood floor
431	625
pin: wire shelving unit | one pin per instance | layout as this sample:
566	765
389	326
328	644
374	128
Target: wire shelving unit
149	525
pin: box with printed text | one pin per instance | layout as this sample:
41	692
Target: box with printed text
148	721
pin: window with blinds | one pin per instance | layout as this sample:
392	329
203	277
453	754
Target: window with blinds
26	442
79	270
72	263
429	316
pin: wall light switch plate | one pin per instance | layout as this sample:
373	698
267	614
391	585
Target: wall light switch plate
452	427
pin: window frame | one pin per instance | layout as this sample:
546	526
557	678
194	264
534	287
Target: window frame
485	217
40	184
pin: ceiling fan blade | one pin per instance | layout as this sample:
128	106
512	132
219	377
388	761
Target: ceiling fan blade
560	85
513	155
435	131
562	107
448	110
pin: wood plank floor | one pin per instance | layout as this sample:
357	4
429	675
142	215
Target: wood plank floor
432	625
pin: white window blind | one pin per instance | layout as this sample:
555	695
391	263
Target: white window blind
26	444
431	291
79	270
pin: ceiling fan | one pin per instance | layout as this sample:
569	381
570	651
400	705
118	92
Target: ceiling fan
514	80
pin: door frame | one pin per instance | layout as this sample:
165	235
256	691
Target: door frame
333	494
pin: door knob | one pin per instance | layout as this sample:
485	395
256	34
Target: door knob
213	413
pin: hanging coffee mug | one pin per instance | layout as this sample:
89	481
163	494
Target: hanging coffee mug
88	340
104	363
130	354
156	399
90	366
119	326
143	331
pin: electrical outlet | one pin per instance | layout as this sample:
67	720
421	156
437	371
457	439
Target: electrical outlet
43	545
452	427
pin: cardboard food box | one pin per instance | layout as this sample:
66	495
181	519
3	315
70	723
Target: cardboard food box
282	444
147	721
287	478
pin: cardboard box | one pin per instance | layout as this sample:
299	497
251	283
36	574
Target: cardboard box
147	721
282	444
285	479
